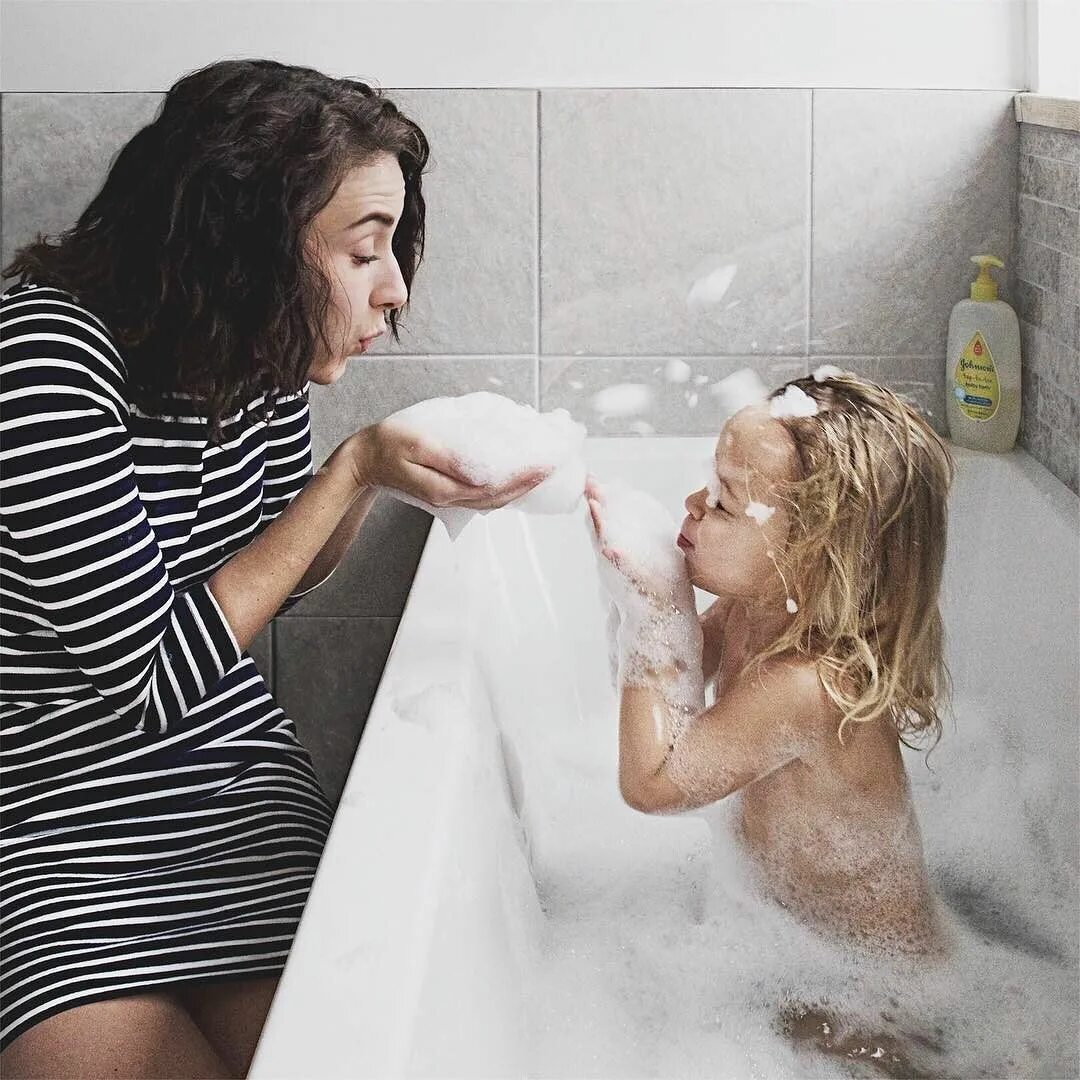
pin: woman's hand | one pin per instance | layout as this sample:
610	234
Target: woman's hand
391	455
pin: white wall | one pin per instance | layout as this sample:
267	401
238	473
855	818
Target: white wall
1054	34
119	45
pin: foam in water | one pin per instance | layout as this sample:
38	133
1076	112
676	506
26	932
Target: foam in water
659	957
494	439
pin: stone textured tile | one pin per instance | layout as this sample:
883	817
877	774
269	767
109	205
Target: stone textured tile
375	576
1050	359
261	651
674	409
1052	181
1069	276
1049	142
57	149
1063	368
907	185
327	673
1028	302
476	288
1032	431
1061	320
1035	439
1062	459
1038	264
1033	354
1055	407
921	380
647	195
375	386
1056	226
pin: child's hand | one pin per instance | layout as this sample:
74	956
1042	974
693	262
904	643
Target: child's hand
648	584
643	556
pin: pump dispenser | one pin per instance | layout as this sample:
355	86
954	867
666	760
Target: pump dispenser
982	366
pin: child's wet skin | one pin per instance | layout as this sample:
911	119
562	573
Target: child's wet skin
731	536
831	831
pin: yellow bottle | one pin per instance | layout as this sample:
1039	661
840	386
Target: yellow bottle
982	367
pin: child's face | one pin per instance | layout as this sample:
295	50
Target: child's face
727	549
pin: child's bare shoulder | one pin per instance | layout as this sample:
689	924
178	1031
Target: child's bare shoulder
793	681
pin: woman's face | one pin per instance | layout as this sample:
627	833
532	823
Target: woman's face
727	549
351	237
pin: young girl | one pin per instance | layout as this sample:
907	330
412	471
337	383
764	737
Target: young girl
822	534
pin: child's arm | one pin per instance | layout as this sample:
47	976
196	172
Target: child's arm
673	752
760	723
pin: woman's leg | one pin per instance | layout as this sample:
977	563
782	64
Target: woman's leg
231	1015
142	1036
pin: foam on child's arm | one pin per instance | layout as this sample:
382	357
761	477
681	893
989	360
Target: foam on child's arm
658	630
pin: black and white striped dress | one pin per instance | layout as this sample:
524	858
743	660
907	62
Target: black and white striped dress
160	823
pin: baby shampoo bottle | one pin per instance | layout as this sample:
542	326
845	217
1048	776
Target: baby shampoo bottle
982	367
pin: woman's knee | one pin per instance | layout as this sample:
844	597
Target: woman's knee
140	1036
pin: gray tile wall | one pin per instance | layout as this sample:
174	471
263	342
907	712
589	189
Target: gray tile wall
1048	297
580	239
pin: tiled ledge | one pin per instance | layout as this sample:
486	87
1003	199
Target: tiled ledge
1062	113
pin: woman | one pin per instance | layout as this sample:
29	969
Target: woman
161	822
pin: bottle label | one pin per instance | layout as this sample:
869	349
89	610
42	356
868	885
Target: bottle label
976	386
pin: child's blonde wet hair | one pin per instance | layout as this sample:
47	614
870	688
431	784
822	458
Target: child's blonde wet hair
865	554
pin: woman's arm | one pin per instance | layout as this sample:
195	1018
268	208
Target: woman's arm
320	522
341	539
761	722
253	585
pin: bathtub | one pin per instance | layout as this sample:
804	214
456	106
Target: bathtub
483	797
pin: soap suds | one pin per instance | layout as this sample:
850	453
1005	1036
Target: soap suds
677	371
622	400
794	401
710	290
494	439
759	511
740	389
827	371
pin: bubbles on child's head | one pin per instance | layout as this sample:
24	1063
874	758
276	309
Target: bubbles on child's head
794	401
827	371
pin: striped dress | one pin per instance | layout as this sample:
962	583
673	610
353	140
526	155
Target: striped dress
160	823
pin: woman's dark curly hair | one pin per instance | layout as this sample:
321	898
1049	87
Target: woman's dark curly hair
193	252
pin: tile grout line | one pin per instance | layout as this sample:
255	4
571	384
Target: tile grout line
809	290
1046	202
538	310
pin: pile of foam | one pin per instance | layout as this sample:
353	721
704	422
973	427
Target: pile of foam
657	625
493	439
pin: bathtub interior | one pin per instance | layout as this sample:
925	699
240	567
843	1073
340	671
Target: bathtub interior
487	906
